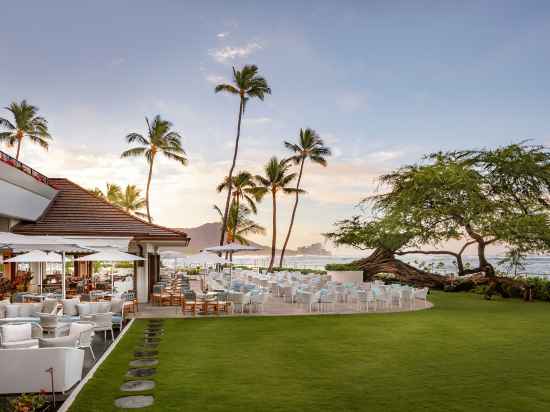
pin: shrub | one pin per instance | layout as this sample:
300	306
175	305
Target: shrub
340	267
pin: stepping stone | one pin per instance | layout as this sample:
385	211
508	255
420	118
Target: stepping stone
156	321
147	346
140	363
151	340
137	386
153	330
141	372
134	402
146	353
153	334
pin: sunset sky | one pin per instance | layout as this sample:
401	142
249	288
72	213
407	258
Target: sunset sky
382	82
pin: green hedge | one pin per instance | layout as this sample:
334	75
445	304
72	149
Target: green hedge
340	267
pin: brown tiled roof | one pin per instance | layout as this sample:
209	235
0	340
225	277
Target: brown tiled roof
76	211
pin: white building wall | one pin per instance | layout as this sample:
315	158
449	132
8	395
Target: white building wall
21	195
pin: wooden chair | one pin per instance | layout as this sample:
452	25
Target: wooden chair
222	304
189	303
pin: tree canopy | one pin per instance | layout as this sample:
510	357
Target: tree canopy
476	196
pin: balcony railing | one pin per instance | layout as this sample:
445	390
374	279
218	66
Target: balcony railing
6	158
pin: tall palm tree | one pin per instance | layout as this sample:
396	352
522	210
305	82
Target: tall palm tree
247	85
239	224
26	124
243	189
312	147
160	139
277	178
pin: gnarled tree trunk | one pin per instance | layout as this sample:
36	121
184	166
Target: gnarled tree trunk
383	261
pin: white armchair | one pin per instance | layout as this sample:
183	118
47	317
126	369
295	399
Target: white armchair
17	336
85	332
104	323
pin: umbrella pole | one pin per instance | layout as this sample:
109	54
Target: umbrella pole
41	276
230	269
112	278
63	287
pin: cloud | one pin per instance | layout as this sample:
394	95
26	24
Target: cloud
222	35
227	53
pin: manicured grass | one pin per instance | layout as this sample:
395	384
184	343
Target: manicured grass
466	354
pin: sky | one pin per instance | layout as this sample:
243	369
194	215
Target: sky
383	82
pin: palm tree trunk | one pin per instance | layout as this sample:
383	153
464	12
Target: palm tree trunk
19	139
293	213
237	204
274	237
147	190
229	189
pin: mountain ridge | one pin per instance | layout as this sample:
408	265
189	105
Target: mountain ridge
208	234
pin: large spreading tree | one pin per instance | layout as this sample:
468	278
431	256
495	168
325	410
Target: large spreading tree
477	197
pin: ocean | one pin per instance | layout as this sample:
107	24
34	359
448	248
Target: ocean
534	265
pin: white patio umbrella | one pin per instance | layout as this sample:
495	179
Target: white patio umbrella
110	255
205	259
26	243
231	248
37	256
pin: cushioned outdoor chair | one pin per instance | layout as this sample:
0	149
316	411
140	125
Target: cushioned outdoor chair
85	332
18	336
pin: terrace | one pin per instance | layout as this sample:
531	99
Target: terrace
9	160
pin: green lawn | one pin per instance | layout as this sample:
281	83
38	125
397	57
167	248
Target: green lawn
466	354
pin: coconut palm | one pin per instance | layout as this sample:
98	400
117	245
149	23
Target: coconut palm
243	189
130	200
239	224
26	124
312	147
113	193
247	85
160	139
277	178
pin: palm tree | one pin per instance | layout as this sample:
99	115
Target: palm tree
239	224
312	147
247	85
160	139
131	201
113	193
27	124
277	178
243	189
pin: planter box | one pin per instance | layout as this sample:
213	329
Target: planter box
345	275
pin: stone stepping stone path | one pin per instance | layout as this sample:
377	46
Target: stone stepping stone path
141	372
144	363
143	366
134	402
137	386
146	353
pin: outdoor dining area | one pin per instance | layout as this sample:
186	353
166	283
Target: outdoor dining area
65	329
209	285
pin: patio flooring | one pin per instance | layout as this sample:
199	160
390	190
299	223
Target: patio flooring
274	307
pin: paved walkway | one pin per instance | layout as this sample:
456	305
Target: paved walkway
275	307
